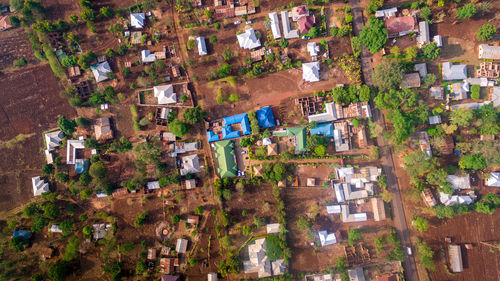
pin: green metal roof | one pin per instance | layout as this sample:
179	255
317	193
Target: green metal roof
224	152
300	135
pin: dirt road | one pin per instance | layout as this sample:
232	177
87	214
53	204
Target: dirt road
400	222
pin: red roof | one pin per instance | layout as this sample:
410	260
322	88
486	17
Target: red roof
5	23
397	25
305	23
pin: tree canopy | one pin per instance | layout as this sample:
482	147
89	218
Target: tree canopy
178	128
373	35
387	75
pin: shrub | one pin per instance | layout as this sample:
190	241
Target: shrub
466	11
426	13
486	32
474	89
373	35
140	219
20	62
431	51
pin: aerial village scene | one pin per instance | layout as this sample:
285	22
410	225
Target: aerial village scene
316	140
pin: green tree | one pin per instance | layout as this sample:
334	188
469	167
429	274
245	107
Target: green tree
431	51
106	12
17	244
429	79
474	90
442	211
212	39
71	250
194	115
411	53
58	271
420	224
472	162
140	267
148	5
461	117
274	249
387	75
176	218
227	55
224	70
178	128
66	227
486	32
466	11
303	223
140	219
67	126
73	18
283	43
320	150
62	177
425	254
365	93
373	35
48	169
353	235
217	25
226	242
426	13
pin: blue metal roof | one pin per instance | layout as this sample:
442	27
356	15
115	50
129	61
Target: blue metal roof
228	133
212	136
234	119
240	118
265	117
24	234
245	126
325	129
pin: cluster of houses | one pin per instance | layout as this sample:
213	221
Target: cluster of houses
259	263
463	194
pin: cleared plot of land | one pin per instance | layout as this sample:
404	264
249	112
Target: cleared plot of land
14	44
479	263
29	103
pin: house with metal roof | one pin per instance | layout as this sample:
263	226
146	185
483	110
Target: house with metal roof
212	276
272	228
102	129
100	71
411	80
147	56
347	216
152	185
53	139
5	23
400	26
455	254
421	68
313	49
137	20
459	182
378	208
190	165
454	72
39	186
323	129
278	267
265	117
326	238
299	12
433	120
424	33
488	52
494	179
211	136
275	27
329	115
226	164
423	140
452	200
438	39
305	23
436	92
165	94
386	13
181	246
458	91
298	134
248	39
356	274
258	261
242	120
287	33
310	71
202	47
73	147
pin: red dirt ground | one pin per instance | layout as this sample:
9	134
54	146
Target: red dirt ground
14	45
30	103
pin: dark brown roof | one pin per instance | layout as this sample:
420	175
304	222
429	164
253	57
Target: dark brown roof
166	277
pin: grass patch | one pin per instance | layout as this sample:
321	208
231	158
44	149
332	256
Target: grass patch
12	143
231	80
